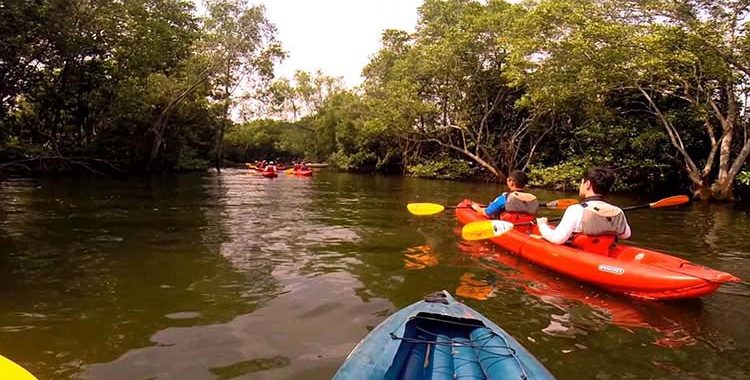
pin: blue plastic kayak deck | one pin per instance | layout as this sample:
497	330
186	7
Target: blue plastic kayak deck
440	338
438	347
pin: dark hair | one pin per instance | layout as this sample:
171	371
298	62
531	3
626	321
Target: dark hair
601	179
519	178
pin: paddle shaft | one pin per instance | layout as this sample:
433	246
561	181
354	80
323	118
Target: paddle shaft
630	208
481	205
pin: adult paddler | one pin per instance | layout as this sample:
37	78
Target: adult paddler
593	225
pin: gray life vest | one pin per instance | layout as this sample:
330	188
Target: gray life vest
602	218
524	203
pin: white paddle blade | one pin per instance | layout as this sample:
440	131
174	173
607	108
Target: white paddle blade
485	229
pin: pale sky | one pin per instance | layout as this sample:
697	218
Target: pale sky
336	36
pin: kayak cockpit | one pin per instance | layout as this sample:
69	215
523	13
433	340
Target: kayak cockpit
436	347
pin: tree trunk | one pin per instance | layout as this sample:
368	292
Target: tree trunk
219	154
722	191
160	125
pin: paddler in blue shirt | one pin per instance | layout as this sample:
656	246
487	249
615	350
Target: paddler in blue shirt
515	206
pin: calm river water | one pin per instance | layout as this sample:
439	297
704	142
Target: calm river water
234	276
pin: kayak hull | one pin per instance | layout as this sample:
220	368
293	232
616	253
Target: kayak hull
630	270
269	174
303	173
439	338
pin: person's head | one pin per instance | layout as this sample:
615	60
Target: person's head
516	180
596	181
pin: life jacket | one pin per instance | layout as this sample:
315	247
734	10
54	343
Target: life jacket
522	203
521	220
601	224
520	208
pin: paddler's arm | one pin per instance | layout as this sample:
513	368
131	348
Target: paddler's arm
571	220
493	209
626	234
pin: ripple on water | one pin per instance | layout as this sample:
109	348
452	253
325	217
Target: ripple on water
184	315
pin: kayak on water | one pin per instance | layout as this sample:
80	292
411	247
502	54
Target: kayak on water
439	338
269	174
303	173
12	371
630	270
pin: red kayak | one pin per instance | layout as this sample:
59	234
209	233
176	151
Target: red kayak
634	271
303	173
269	174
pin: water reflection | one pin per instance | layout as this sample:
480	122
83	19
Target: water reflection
420	257
474	288
208	276
584	309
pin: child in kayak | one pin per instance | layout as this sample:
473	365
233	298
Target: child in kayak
593	224
515	206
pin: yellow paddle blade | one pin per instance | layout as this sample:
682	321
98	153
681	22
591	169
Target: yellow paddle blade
485	229
289	171
562	204
424	208
12	371
671	201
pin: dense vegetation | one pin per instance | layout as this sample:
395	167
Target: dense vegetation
126	85
656	89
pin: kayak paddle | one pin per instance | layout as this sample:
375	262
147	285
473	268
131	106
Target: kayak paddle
481	229
11	370
434	208
666	202
485	229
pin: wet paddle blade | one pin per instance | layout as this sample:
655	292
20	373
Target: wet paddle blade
671	201
485	229
10	370
424	208
561	204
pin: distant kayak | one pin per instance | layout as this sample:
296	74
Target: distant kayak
439	338
303	173
269	174
12	371
625	269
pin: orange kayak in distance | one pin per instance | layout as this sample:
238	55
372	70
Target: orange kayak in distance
635	271
303	173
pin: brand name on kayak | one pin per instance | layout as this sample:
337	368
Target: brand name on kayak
611	269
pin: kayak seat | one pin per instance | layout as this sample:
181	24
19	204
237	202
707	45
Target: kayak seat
599	244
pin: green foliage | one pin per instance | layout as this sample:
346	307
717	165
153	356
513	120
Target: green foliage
564	176
554	85
744	178
265	140
448	168
135	83
356	161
